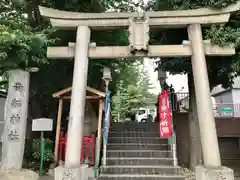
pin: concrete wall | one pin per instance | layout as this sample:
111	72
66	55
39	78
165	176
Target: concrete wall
2	104
228	130
236	96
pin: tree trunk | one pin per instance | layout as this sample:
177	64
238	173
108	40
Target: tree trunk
34	111
195	148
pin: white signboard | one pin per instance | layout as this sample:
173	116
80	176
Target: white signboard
15	119
42	124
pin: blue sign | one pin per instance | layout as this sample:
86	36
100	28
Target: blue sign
106	117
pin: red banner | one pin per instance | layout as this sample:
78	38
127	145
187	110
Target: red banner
164	114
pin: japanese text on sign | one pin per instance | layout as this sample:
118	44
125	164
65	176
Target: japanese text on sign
18	87
15	118
165	123
16	103
13	134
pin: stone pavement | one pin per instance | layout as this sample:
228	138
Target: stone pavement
46	178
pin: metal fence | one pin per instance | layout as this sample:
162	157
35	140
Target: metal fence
181	104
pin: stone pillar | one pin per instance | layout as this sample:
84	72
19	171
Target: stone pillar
211	156
77	107
15	120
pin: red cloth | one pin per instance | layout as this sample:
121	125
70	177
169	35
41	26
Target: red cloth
164	115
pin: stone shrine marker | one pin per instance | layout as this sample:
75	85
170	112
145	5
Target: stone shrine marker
16	108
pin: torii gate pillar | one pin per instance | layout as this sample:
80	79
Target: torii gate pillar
73	169
212	168
204	105
77	107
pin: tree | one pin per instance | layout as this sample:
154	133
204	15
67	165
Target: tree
221	70
132	92
24	36
20	44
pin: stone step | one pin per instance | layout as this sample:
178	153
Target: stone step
134	146
134	124
139	161
139	153
138	140
126	169
136	129
139	177
142	127
133	134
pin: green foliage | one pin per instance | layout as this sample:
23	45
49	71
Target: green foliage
18	3
20	44
36	149
133	85
188	4
224	35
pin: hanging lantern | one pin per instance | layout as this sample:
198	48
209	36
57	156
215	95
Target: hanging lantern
107	74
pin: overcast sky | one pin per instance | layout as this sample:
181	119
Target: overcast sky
179	82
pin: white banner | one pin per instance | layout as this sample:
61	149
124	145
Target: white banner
15	119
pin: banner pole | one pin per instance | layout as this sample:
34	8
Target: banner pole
41	171
106	123
173	138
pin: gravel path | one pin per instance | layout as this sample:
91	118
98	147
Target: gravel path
189	175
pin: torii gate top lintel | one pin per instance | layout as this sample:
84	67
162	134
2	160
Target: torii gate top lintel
59	14
67	19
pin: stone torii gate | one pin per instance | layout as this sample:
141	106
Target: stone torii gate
139	24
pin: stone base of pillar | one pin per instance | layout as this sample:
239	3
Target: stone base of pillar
203	173
23	174
83	172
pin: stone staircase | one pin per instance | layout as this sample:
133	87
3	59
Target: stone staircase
135	152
